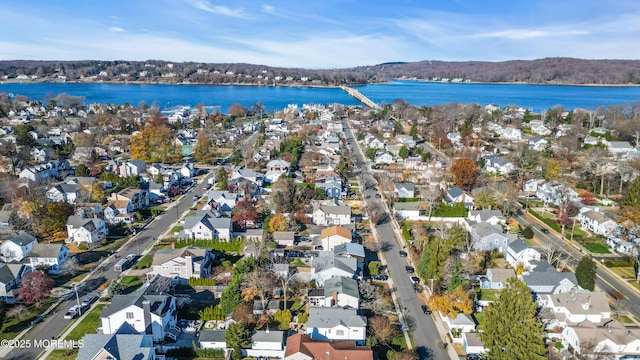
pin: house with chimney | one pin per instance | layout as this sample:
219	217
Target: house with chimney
132	168
151	313
207	226
182	264
303	347
575	306
334	323
18	247
611	338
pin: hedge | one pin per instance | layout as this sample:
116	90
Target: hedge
202	282
234	245
550	223
211	313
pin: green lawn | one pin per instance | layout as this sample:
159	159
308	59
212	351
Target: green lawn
626	320
131	282
177	229
480	318
596	248
144	263
488	294
61	354
11	326
625	272
88	325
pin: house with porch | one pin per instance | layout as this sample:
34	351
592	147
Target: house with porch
611	338
330	323
17	247
206	225
597	222
48	257
456	195
404	190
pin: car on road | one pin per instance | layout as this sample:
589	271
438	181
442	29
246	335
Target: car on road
410	269
403	253
426	310
473	357
378	196
72	313
380	277
544	230
88	300
415	279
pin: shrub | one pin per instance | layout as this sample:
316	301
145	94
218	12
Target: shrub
527	232
233	245
211	313
83	246
202	282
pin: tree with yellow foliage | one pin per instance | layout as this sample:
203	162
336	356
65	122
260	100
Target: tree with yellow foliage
453	303
278	222
155	143
258	284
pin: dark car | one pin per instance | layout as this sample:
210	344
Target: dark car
473	357
426	310
382	267
381	277
544	230
410	269
378	196
415	279
403	253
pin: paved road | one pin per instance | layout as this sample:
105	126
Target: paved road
54	324
426	339
605	281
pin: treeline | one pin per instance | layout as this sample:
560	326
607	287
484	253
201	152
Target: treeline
540	71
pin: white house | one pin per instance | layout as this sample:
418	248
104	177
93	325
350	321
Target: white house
556	193
266	343
205	225
336	324
275	169
49	256
89	230
493	217
132	167
222	200
182	264
610	338
334	236
532	185
213	339
456	195
125	343
17	247
64	192
407	210
148	314
574	307
498	165
328	265
596	222
519	251
328	215
485	236
284	238
341	291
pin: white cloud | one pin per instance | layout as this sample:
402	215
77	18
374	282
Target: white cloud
217	9
116	29
521	34
268	9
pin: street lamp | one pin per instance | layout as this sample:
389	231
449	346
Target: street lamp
75	288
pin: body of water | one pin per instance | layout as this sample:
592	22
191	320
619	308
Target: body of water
534	97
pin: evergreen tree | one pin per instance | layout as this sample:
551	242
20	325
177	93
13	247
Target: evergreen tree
527	233
512	331
222	179
82	170
586	273
403	152
238	337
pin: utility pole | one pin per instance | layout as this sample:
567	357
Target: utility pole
75	288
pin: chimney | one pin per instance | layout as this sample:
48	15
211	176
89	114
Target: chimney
188	263
334	298
146	308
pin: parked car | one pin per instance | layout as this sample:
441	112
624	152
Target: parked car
410	269
380	277
415	279
473	357
72	313
426	310
544	230
403	253
88	300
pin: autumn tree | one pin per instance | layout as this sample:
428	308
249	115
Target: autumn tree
512	329
278	222
155	142
258	284
551	170
205	150
244	212
465	173
35	287
382	330
283	318
237	110
586	273
452	303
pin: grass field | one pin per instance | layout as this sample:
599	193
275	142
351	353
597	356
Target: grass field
597	248
488	295
62	354
625	272
11	326
88	325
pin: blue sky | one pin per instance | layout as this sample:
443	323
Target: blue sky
318	33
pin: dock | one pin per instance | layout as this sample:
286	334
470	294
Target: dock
358	96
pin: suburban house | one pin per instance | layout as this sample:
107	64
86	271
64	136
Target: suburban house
138	198
89	230
213	339
10	276
333	214
531	186
182	264
132	168
545	280
333	236
252	176
610	338
496	278
269	307
350	249
303	347
597	222
406	210
17	247
574	307
329	265
519	251
340	291
64	192
404	190
456	195
556	193
48	256
619	149
119	211
497	164
485	236
383	157
266	343
125	343
330	323
206	225
493	217
151	314
275	169
284	238
222	200
332	186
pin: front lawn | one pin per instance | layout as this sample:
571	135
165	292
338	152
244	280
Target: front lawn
88	325
597	248
12	326
144	263
625	272
62	354
130	283
488	295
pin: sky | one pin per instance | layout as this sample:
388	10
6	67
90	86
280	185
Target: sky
319	34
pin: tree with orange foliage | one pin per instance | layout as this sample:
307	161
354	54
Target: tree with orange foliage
155	142
258	284
453	303
278	222
465	173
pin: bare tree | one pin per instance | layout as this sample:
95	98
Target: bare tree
70	267
258	283
553	255
430	195
382	329
368	291
18	312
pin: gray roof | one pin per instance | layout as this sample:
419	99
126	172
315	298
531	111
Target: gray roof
349	249
208	219
322	263
269	336
136	298
338	210
46	250
501	275
23	239
341	285
486	214
406	186
548	278
454	192
325	317
213	335
198	255
518	246
596	302
77	222
9	271
121	345
414	205
485	229
284	235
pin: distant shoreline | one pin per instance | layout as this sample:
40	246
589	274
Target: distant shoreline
38	81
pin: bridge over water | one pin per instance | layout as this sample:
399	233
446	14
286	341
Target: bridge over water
358	96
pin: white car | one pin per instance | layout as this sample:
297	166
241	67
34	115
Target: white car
72	313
